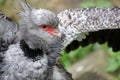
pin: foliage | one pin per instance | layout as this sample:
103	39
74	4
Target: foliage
73	56
95	3
2	2
114	62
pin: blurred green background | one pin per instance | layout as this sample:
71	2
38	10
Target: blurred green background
11	7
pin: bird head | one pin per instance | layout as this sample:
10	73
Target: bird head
39	27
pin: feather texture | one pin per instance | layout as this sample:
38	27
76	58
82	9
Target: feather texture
8	32
77	23
34	55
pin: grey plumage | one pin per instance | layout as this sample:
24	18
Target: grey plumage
8	36
33	56
8	32
33	52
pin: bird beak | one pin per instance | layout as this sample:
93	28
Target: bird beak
57	33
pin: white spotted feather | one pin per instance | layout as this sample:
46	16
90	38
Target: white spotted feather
77	23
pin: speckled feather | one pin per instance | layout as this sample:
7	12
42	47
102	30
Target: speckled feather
77	23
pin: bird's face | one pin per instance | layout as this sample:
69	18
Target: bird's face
46	21
40	28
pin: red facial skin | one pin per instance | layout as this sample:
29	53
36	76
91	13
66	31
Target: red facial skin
50	30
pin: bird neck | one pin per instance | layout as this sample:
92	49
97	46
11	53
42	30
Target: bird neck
30	53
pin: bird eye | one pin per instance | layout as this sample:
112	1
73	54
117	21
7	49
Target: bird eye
44	26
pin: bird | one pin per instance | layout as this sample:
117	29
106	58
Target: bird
84	26
30	48
39	36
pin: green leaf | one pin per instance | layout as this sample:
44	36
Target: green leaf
113	65
98	3
103	3
2	2
87	4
